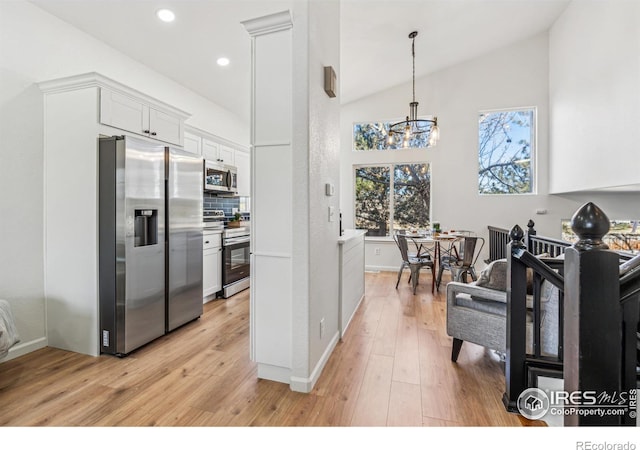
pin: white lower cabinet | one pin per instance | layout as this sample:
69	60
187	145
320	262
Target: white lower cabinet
211	266
351	276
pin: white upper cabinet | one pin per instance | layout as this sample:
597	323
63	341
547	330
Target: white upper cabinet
214	151
243	164
210	149
192	143
138	116
226	155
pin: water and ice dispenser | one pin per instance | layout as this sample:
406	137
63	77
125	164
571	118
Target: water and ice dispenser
145	227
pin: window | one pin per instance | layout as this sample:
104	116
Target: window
506	151
392	196
623	235
374	136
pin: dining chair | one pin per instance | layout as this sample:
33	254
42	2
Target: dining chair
462	261
410	253
413	263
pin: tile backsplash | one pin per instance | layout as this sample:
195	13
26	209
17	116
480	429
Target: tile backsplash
227	204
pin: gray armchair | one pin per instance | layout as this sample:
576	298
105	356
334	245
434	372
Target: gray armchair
478	314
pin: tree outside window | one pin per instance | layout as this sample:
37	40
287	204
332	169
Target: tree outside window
506	151
378	211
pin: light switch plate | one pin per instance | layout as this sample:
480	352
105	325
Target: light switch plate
329	189
332	214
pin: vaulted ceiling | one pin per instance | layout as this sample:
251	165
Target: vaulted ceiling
375	48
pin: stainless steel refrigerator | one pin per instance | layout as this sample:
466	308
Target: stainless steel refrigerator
150	241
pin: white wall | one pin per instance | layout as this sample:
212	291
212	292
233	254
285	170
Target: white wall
21	204
324	167
594	90
514	76
34	47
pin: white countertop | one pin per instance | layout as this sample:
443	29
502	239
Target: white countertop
350	234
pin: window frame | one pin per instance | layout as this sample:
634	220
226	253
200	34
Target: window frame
391	166
533	152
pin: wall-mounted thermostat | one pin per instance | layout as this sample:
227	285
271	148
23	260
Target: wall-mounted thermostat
329	189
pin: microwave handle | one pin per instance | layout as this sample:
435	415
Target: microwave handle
229	180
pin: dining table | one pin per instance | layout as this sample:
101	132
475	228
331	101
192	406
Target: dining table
435	245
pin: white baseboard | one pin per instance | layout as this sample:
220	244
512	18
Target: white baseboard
22	348
344	329
305	385
274	373
381	268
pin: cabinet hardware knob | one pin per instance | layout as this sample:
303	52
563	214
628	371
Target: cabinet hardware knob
154	133
145	131
206	242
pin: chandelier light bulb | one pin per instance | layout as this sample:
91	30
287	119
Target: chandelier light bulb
435	132
432	140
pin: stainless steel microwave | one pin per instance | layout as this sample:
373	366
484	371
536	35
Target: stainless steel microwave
220	178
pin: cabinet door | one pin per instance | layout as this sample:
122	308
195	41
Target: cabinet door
209	150
226	155
193	143
165	127
123	112
211	271
243	164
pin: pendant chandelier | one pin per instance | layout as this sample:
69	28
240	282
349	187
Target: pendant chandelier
413	127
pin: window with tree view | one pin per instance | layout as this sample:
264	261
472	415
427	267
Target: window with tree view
506	151
393	196
375	136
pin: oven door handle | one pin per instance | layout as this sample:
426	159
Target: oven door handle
228	242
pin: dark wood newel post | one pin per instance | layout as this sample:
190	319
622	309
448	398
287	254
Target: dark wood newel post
515	374
530	232
592	316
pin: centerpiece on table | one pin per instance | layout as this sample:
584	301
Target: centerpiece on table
435	228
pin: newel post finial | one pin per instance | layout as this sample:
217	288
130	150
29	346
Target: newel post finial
530	229
516	234
590	224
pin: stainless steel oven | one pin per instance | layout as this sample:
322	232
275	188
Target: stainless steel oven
235	260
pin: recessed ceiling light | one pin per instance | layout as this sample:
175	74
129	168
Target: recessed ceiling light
223	61
166	15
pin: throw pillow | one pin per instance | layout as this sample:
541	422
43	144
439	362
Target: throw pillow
8	331
494	276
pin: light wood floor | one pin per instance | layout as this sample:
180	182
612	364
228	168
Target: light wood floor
392	369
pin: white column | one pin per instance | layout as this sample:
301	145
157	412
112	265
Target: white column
295	138
271	195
